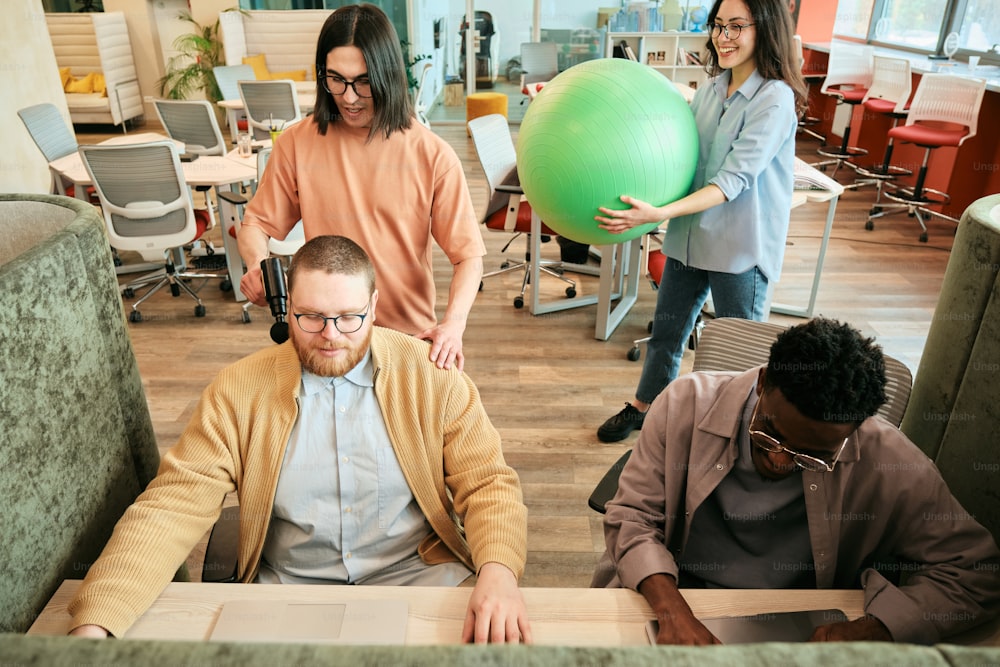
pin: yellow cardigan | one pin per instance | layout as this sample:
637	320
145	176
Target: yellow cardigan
449	451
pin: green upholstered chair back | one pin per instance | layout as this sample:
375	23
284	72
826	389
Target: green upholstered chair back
954	411
76	441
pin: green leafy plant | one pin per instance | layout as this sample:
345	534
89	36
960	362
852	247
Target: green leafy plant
409	61
199	52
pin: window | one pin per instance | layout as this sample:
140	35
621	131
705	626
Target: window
922	25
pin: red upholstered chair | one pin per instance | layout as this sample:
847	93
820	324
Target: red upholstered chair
148	208
508	210
848	77
944	112
890	95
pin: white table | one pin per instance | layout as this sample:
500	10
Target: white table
216	171
830	195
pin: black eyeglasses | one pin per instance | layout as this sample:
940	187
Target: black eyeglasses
731	30
769	443
345	324
337	85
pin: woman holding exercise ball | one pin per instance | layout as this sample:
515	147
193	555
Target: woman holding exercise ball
728	234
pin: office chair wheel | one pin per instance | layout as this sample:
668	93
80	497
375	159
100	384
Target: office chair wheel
923	237
128	292
480	285
135	316
649	327
634	354
199	310
505	264
246	317
226	285
570	292
519	302
870	225
175	289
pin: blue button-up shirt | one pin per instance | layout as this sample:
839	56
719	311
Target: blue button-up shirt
343	512
747	149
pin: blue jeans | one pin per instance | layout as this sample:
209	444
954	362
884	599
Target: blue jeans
682	292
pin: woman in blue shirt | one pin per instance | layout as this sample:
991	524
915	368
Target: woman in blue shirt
728	234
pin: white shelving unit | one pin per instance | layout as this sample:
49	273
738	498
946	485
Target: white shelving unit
665	52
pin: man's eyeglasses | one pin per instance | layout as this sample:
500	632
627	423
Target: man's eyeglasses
769	443
345	324
336	85
731	30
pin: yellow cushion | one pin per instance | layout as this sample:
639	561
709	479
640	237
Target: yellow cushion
294	75
259	66
100	85
65	76
84	85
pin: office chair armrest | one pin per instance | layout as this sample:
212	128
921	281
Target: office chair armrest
220	555
608	486
513	189
233	198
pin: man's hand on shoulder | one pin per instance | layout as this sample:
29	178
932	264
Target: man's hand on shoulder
862	629
446	344
496	611
90	631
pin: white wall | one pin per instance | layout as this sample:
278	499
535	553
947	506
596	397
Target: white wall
28	75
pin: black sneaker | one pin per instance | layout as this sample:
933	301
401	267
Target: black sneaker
618	427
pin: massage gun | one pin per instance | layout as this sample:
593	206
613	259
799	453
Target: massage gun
276	293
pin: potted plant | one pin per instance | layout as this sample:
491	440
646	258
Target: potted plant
411	78
199	52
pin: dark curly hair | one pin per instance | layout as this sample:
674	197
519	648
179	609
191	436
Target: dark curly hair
828	371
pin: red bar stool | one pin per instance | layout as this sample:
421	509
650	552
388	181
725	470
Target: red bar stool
889	95
944	112
848	77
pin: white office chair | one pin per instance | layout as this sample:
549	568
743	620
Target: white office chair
419	106
539	64
269	104
147	207
54	138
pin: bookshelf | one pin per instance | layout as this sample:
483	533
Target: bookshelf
672	53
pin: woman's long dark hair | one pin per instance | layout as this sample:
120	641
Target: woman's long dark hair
369	29
774	53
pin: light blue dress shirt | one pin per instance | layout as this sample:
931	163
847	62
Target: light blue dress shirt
747	149
343	512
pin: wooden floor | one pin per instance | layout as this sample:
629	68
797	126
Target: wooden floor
547	383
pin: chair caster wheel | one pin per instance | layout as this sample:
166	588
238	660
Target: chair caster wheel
869	225
480	285
246	317
135	316
634	354
923	237
649	327
128	293
570	292
874	210
175	289
519	302
199	310
226	285
505	265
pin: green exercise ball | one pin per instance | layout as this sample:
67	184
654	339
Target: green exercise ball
599	130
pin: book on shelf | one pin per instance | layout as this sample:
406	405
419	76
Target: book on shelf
629	53
681	56
693	58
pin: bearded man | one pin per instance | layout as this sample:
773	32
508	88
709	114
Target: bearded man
356	461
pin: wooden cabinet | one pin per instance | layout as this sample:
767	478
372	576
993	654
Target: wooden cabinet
675	55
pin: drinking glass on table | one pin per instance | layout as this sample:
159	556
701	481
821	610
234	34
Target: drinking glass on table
244	145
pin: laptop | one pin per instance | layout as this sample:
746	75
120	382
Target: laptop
372	622
791	626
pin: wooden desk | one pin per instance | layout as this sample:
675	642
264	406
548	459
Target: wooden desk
559	616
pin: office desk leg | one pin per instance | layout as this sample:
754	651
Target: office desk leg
808	310
229	214
619	278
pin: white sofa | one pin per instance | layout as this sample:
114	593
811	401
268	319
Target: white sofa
286	38
97	42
